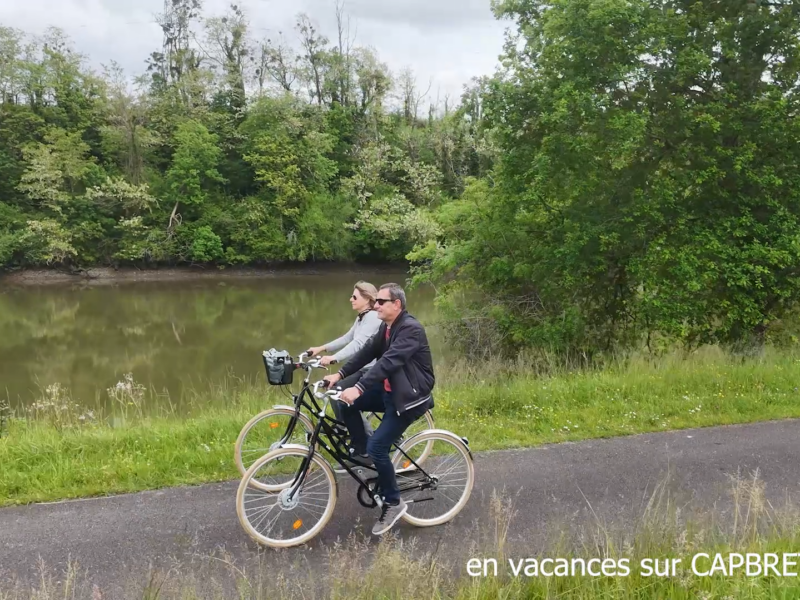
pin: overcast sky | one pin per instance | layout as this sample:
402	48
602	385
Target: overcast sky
449	41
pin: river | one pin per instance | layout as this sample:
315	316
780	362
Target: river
170	335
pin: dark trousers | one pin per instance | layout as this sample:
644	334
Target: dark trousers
345	383
380	443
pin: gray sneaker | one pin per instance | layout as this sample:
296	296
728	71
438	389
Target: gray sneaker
390	514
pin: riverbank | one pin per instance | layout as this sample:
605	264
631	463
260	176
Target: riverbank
106	275
64	451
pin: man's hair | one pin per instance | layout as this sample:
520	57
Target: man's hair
395	293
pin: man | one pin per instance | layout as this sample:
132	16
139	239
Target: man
398	385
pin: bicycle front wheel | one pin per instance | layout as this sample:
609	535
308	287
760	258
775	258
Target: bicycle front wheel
282	520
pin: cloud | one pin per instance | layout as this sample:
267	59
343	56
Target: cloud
430	16
443	41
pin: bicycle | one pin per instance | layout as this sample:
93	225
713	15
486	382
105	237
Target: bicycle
276	426
309	489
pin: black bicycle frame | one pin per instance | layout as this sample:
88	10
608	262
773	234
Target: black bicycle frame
299	403
338	455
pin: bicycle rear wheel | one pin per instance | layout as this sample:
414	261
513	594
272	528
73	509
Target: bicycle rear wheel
436	494
263	432
276	520
424	423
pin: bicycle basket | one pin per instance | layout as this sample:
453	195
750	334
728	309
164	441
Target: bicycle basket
279	365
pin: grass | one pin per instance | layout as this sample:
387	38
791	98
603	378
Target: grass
393	569
58	450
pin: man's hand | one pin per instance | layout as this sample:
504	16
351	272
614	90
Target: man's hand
332	379
326	360
350	394
317	350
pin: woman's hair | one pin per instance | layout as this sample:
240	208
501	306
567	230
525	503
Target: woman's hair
368	291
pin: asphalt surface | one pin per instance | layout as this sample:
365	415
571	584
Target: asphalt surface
555	489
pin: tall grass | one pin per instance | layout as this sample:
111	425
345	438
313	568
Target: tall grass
393	569
141	440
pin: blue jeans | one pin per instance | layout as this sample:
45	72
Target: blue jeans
380	443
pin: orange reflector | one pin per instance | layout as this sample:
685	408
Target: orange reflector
273	425
406	464
298	524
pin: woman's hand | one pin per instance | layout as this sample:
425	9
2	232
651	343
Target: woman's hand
317	350
326	360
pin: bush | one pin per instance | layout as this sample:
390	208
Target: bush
207	245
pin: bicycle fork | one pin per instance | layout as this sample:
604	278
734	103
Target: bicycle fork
312	448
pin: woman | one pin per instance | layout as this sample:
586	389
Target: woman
365	326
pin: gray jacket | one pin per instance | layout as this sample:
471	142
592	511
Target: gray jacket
366	325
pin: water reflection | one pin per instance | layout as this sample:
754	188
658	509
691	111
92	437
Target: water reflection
168	333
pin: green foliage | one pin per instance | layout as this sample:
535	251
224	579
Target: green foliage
206	246
132	239
47	242
9	245
648	179
392	224
288	154
57	169
630	175
194	164
117	196
191	168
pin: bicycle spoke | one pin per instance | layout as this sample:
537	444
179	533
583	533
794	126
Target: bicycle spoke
441	485
280	518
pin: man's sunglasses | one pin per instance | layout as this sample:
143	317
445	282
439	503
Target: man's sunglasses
382	301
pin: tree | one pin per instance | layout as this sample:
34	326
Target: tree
11	52
315	58
56	169
126	139
194	168
340	83
276	62
46	241
228	50
374	81
221	150
120	198
647	179
410	96
289	154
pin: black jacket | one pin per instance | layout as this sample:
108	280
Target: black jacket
406	363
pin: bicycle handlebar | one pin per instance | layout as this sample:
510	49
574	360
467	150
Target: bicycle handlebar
333	394
312	363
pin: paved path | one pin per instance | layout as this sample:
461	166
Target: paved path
555	488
